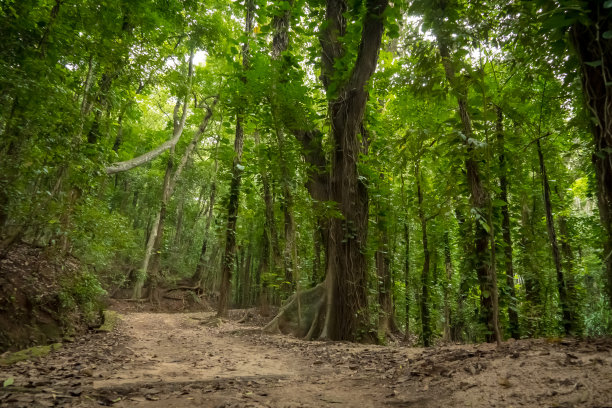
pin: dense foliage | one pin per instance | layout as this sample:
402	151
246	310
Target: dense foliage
481	154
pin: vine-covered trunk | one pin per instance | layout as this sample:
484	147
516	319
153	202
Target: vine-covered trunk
344	291
227	263
595	53
347	305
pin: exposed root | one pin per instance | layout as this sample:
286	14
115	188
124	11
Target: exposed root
302	315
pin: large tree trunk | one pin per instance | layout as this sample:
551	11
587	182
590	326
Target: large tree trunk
595	54
345	286
507	237
556	254
234	195
347	306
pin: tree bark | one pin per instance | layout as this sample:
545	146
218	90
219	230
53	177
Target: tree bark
150	155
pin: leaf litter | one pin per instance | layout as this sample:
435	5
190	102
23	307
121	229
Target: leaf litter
195	360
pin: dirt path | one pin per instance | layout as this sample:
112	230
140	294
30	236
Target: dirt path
195	360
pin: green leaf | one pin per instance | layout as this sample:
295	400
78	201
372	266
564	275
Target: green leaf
557	21
484	224
607	35
499	203
608	4
8	381
593	64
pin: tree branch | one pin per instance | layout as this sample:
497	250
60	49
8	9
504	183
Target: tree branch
178	131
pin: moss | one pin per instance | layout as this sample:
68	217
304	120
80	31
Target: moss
111	319
30	353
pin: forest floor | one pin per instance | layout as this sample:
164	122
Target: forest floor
195	360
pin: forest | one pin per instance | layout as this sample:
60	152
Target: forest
438	171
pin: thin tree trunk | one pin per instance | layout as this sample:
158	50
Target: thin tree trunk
234	195
179	225
246	281
552	236
568	266
142	273
407	279
530	274
425	281
385	315
152	262
198	276
406	265
503	186
448	266
155	262
479	199
458	325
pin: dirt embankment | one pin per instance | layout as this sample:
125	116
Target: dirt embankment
194	359
41	296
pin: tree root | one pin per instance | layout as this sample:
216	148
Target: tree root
302	315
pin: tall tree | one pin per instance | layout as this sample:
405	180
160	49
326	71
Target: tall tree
592	41
347	307
233	203
479	196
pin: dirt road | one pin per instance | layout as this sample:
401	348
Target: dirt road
195	360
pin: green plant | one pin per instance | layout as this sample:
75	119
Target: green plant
82	293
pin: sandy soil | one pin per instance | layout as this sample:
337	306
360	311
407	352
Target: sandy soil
196	360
